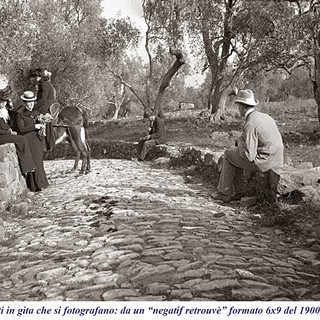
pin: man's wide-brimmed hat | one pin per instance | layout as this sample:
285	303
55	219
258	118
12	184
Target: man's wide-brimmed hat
28	96
246	97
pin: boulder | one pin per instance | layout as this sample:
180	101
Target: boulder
12	183
287	181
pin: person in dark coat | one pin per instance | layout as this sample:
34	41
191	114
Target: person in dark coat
45	99
47	93
34	81
29	128
156	135
7	135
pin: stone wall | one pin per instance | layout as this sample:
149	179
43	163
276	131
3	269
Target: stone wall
105	149
12	183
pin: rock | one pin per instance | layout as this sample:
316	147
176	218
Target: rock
157	288
217	284
12	183
255	294
83	263
248	201
162	161
20	208
306	255
181	294
51	274
289	179
119	294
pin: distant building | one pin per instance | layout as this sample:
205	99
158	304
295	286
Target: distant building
183	105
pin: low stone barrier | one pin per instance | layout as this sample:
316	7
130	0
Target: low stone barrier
12	183
301	182
298	183
107	149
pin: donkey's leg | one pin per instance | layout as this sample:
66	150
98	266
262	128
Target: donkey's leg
78	136
88	169
62	133
76	150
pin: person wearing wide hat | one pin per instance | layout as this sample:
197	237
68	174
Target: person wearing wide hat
260	148
29	127
8	135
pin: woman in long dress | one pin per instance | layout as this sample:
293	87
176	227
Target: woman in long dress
7	135
29	127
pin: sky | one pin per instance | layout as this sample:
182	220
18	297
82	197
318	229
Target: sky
133	10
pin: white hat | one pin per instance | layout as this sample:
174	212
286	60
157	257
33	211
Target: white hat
28	96
247	97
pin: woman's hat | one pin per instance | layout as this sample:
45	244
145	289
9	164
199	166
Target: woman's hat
35	73
28	96
246	97
5	89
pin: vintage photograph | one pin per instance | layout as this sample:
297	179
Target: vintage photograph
161	151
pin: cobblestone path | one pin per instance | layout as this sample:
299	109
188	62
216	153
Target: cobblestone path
129	232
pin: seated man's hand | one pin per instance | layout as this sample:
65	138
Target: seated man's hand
147	137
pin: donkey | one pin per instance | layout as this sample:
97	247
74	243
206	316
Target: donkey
70	123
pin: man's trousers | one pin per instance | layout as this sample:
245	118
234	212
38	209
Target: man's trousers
231	161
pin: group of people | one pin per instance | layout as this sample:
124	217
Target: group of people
22	126
260	147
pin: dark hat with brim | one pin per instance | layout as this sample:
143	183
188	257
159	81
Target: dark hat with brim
5	93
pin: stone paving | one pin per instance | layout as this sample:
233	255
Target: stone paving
129	232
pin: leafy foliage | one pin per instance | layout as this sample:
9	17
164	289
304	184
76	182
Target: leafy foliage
68	37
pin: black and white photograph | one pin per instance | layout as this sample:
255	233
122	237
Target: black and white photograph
159	158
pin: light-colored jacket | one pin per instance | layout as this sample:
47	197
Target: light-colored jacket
261	142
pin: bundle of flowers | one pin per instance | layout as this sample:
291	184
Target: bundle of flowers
44	119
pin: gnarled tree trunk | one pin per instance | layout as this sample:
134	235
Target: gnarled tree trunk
167	78
316	83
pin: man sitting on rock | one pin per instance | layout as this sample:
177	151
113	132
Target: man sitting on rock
156	135
260	148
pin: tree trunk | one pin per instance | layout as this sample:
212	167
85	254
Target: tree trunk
220	96
219	103
212	57
316	83
167	78
116	112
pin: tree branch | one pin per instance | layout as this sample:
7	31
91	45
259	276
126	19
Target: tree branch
128	86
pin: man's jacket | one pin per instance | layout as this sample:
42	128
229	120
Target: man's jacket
261	142
158	131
